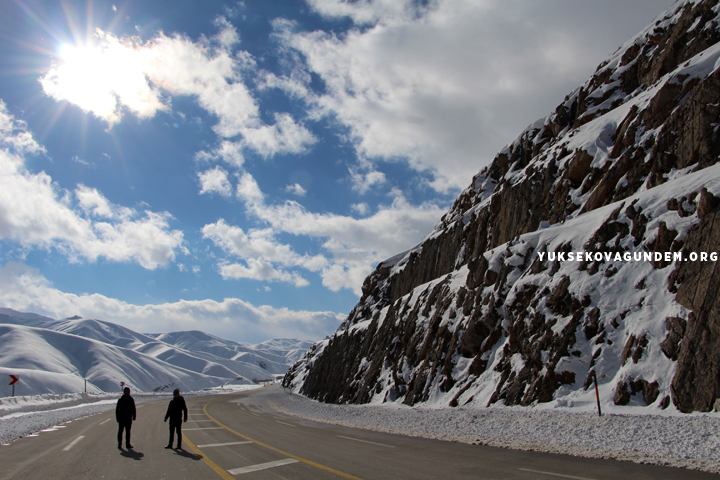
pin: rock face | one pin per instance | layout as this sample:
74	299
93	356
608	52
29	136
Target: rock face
574	251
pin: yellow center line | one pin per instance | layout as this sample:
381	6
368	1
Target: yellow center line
274	449
224	474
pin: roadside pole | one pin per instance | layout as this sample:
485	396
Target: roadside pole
597	393
13	380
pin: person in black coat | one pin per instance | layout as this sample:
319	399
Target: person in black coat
175	413
125	413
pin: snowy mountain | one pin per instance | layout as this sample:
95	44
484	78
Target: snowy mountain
273	356
56	356
588	245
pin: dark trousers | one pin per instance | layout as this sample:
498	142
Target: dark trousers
175	426
124	425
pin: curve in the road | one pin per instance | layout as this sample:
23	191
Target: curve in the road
227	476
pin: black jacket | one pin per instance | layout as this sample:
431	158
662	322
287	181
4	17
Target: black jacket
176	409
125	410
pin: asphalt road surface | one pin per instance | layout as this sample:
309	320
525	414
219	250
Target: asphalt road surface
241	436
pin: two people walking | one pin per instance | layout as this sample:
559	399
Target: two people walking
125	414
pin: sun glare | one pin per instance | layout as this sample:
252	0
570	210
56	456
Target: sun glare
101	76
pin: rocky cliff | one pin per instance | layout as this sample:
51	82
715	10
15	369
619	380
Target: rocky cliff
580	248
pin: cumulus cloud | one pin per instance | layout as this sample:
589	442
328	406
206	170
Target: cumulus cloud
227	151
364	177
258	269
361	209
36	213
296	189
25	289
451	82
262	253
353	244
15	137
370	11
215	180
111	75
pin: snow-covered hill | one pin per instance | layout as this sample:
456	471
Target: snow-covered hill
57	356
495	307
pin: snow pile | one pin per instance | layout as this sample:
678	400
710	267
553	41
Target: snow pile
24	424
684	441
48	401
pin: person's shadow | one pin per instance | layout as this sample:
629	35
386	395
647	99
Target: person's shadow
130	453
186	454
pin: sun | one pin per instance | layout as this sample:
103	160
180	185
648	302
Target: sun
101	76
84	78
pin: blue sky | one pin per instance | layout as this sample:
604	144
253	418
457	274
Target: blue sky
241	167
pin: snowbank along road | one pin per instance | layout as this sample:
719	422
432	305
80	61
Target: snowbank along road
241	435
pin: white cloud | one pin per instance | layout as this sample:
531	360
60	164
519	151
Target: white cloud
94	203
15	137
227	151
296	189
79	160
257	244
262	253
364	177
354	244
25	289
36	213
215	180
100	76
260	270
111	75
448	85
249	190
228	36
285	136
369	11
361	209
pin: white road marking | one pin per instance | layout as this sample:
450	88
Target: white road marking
365	441
554	474
72	444
105	421
203	428
222	444
278	421
200	420
262	466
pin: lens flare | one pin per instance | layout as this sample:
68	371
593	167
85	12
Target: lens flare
101	76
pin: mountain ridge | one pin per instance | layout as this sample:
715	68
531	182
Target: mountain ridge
57	356
627	163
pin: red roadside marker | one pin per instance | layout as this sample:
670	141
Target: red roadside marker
13	380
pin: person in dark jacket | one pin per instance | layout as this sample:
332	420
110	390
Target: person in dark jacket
125	413
175	413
